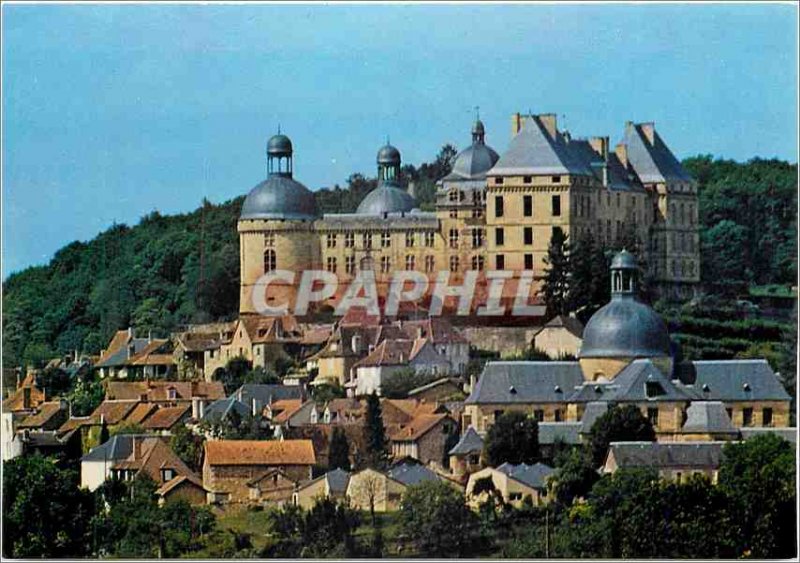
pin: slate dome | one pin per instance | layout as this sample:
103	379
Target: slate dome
387	198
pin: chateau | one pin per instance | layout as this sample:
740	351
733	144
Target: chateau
493	212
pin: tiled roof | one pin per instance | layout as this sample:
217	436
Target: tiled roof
708	416
667	454
593	411
117	448
412	474
260	452
166	417
392	352
534	476
526	382
198	341
555	432
16	402
46	412
140	412
148	355
737	380
470	443
116	354
174	482
285	409
416	428
159	390
114	411
77	422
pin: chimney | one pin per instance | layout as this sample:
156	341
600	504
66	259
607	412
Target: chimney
549	122
130	332
255	406
355	344
137	447
516	123
196	408
26	398
19	374
26	435
621	151
149	336
131	350
412	189
600	146
649	130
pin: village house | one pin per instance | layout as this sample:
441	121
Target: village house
23	402
513	482
172	392
465	456
392	356
129	357
332	484
272	488
438	390
230	466
560	337
674	461
423	437
371	490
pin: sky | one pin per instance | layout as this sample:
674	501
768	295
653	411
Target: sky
113	111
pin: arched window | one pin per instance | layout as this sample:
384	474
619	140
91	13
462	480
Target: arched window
269	260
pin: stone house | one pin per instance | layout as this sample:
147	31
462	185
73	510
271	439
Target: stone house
392	356
675	461
273	487
369	489
230	466
332	484
513	482
424	438
559	337
465	456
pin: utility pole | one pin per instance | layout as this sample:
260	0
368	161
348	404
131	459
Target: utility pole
546	533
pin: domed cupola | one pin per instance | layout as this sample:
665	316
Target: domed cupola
625	328
279	196
476	160
388	197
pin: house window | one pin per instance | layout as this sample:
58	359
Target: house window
500	262
269	260
167	475
330	241
514	496
526	180
766	417
367	239
557	415
473	459
409	240
556	205
349	240
730	413
529	261
477	238
499	236
527	235
330	264
428	239
454	263
386	239
556	179
652	416
453	195
538	415
410	262
350	264
385	264
498	181
498	205
747	417
477	213
477	263
527	205
453	238
454	214
430	264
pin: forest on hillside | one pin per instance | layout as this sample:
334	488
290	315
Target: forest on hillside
167	271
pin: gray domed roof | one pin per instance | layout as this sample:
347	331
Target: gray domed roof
475	161
279	197
386	198
623	260
625	328
388	155
279	145
478	128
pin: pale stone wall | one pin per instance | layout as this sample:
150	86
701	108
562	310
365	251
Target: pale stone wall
557	342
509	341
307	496
369	485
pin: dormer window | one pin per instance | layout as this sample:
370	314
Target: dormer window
172	393
653	389
167	475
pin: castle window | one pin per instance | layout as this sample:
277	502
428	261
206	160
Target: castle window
538	415
526	179
429	239
527	235
477	213
557	231
477	238
430	263
350	264
330	241
269	260
766	417
477	263
330	264
500	262
557	415
410	262
529	261
619	200
269	239
386	239
498	181
453	195
556	206
367	239
366	264
454	214
453	236
499	236
349	240
454	263
556	179
385	264
527	205
409	240
652	416
498	205
747	417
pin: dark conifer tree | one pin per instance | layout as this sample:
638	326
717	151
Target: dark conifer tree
339	451
377	454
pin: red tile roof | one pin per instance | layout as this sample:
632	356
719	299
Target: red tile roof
159	390
46	411
259	452
166	417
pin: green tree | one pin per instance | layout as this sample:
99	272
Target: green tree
327	530
400	382
377	453
45	513
574	477
618	424
434	514
758	477
188	446
339	450
556	286
513	438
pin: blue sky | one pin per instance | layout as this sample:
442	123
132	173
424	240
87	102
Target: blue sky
110	112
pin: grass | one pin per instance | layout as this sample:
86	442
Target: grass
772	290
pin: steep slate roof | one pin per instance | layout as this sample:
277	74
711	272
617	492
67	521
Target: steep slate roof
554	432
259	452
337	480
708	417
726	380
412	474
220	409
266	394
593	411
534	151
667	454
534	476
571	324
652	161
532	382
116	354
470	443
117	448
631	384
